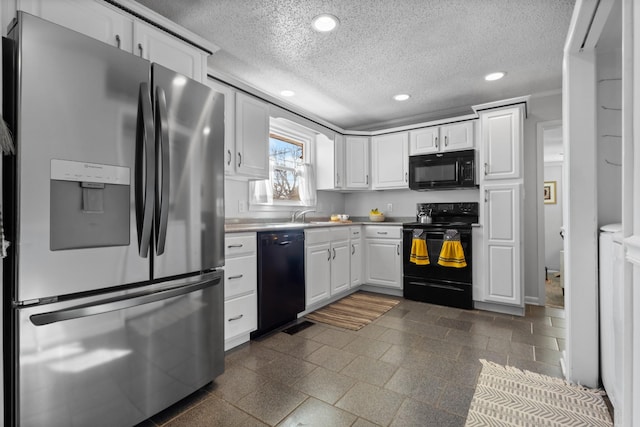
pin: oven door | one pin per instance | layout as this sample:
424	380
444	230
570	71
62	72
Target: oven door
433	271
433	171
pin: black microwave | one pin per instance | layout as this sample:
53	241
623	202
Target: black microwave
442	171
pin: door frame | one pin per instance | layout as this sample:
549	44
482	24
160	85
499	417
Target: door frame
540	128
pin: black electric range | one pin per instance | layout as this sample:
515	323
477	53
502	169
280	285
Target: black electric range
435	283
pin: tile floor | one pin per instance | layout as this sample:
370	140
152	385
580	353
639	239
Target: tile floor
417	365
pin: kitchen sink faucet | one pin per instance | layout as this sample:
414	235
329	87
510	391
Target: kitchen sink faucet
300	214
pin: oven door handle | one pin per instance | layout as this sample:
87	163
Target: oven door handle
434	285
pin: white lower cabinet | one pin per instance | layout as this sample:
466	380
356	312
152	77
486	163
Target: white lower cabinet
240	288
356	256
383	251
502	244
327	263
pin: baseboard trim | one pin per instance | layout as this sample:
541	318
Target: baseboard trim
499	308
532	300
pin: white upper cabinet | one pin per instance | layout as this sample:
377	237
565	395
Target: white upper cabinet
91	18
157	46
390	161
329	162
117	28
229	123
252	137
357	162
435	139
502	137
457	136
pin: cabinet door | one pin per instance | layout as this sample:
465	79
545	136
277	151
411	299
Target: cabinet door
501	133
390	161
357	161
340	262
157	46
317	273
329	162
503	265
424	141
91	18
384	262
229	123
458	136
356	263
252	137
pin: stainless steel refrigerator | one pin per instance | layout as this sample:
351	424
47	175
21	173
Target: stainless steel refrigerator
114	206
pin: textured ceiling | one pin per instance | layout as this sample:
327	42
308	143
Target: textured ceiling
436	50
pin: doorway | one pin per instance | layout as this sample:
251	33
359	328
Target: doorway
550	210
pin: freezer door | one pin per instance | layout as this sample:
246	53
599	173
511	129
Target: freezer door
117	360
189	216
78	100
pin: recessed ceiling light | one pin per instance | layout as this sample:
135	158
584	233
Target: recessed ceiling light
402	97
325	22
287	93
494	76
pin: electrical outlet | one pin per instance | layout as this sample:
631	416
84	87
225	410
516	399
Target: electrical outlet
389	207
242	206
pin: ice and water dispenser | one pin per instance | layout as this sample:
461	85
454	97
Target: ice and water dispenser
90	205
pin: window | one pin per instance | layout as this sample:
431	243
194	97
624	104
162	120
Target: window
285	155
291	178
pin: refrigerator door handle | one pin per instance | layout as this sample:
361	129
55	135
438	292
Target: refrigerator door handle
119	303
162	171
144	170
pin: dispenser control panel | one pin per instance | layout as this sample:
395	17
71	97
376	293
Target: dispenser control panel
67	170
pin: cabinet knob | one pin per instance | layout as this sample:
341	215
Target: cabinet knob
338	178
229	162
398	246
353	249
382	232
486	195
486	168
238	317
334	253
406	177
367	180
235	246
140	49
446	141
118	41
239	276
436	142
239	159
328	253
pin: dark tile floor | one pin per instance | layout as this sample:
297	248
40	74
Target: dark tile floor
417	365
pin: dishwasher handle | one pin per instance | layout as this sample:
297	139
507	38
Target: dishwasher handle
120	303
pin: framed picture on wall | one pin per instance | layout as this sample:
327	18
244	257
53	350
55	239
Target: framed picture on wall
549	192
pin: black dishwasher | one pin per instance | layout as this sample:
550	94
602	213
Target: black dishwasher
281	294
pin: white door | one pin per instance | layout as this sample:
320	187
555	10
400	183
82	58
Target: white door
390	161
503	278
356	263
357	161
318	272
384	264
252	137
340	261
458	136
424	141
501	132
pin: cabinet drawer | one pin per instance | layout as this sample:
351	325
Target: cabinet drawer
383	232
237	244
317	235
355	232
340	233
240	276
240	316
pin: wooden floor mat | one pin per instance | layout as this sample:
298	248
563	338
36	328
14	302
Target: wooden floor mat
354	311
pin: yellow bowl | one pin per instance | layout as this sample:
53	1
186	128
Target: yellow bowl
376	218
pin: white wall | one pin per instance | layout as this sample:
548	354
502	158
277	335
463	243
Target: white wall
553	218
541	109
403	201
